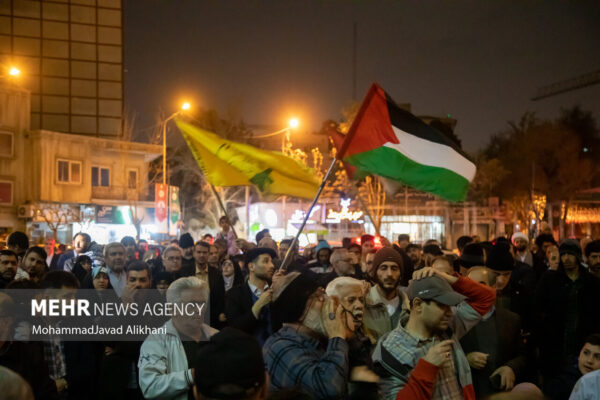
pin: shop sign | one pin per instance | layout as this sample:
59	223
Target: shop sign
105	214
335	217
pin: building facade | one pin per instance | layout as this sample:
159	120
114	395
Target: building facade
70	56
53	181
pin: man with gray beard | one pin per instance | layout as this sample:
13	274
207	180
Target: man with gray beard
115	257
310	351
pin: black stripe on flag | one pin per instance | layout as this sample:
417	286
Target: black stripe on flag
408	123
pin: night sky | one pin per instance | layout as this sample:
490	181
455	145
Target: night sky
265	61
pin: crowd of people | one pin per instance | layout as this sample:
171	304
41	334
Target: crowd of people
512	318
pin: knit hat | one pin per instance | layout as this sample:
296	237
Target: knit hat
570	246
229	366
290	304
322	245
186	240
387	254
472	256
519	235
499	258
366	238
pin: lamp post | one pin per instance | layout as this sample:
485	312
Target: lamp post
184	107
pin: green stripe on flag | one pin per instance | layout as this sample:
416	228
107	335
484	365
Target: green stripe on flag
390	163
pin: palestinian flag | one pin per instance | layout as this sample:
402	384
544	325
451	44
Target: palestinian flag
390	142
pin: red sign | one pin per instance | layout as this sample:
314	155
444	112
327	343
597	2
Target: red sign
160	202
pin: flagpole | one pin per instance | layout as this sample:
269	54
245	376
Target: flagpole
223	208
295	241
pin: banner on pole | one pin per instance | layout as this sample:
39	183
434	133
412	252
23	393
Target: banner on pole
160	207
174	210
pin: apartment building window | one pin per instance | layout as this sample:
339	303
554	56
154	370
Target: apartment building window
68	171
6	192
6	144
100	176
132	178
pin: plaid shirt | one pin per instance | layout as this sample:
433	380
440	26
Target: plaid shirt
55	358
398	352
408	348
296	360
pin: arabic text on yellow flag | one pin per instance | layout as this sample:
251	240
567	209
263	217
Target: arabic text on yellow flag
227	163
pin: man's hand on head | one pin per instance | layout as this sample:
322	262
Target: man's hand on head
429	271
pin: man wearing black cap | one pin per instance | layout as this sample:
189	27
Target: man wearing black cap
385	302
514	282
247	306
566	309
310	351
230	366
423	358
186	242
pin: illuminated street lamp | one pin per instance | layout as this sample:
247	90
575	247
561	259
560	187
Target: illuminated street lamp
14	71
293	124
184	107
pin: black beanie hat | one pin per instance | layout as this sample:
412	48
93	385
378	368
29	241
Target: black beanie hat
570	246
229	366
186	240
499	258
291	303
472	255
433	249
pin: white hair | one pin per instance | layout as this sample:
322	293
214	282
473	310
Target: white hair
191	282
171	248
111	245
333	289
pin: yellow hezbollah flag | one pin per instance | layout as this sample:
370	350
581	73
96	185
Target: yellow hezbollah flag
227	163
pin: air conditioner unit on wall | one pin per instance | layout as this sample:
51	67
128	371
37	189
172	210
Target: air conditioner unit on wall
26	211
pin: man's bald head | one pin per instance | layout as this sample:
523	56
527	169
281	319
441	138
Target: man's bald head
481	275
13	386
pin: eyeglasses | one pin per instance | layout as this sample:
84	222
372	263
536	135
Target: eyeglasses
173	259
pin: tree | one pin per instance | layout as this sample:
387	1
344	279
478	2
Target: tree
544	160
489	175
136	191
56	215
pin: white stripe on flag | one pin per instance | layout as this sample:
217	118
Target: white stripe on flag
432	154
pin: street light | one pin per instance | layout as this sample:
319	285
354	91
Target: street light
184	107
14	71
293	124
